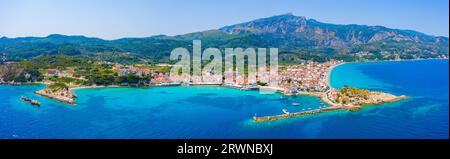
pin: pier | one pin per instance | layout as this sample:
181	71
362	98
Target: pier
31	101
290	115
331	108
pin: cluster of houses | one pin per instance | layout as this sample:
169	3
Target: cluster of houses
62	73
57	73
306	77
332	94
161	78
142	71
124	70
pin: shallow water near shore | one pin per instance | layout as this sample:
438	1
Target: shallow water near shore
217	112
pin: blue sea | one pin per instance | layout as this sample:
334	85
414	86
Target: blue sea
221	113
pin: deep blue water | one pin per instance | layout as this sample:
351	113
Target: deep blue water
214	112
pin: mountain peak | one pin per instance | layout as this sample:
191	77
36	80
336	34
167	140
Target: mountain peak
56	36
285	16
290	14
283	23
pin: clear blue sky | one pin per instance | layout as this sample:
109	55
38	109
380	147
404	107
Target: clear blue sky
111	19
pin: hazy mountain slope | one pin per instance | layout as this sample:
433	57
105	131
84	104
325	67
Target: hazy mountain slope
292	33
296	37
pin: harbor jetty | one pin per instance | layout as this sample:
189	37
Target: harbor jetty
31	101
290	115
334	107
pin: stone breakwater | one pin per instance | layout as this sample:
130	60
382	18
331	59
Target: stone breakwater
62	95
334	107
282	116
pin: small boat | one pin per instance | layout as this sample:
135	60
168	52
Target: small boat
185	84
31	101
285	111
35	103
295	104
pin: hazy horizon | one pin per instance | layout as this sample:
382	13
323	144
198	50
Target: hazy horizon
115	19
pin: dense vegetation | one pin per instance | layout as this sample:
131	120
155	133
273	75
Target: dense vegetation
346	93
58	86
20	72
355	92
92	70
296	37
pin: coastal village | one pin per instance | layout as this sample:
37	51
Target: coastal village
307	78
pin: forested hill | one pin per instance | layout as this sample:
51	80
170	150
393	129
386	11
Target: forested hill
297	38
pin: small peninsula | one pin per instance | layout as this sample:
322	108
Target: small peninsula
59	92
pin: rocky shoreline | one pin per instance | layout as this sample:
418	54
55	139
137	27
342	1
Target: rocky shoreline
61	95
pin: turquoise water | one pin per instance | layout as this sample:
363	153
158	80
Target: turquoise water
215	112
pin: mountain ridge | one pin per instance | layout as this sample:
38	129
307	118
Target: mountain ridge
295	35
298	26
